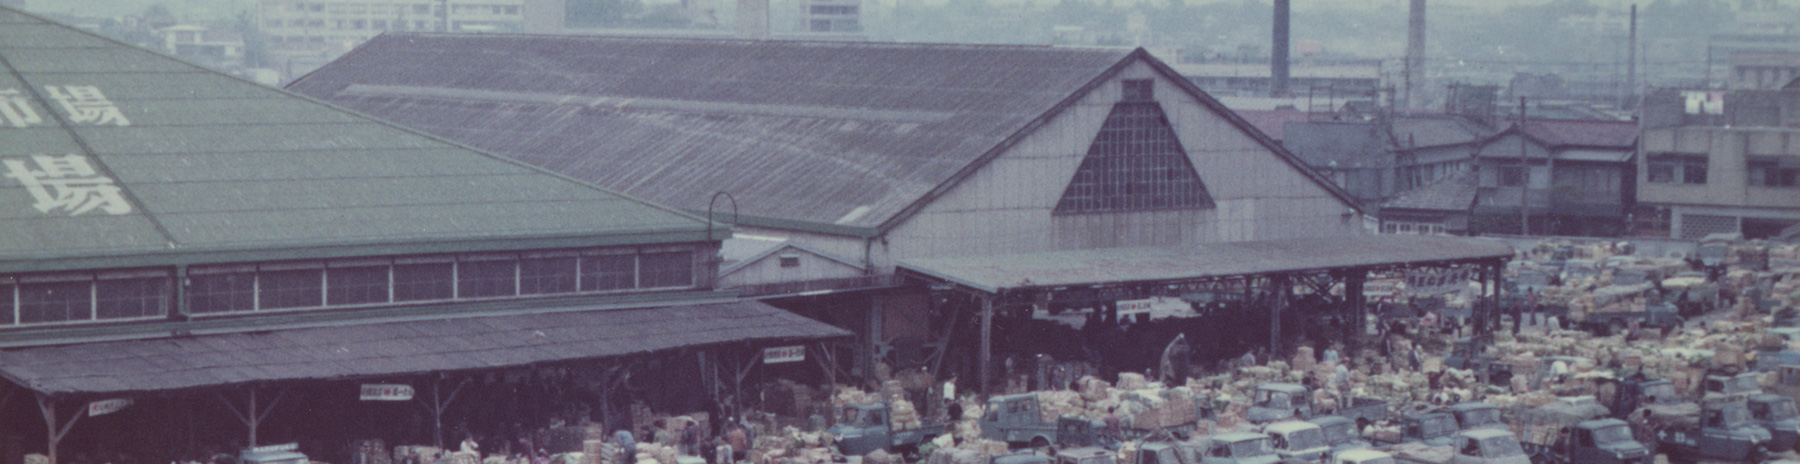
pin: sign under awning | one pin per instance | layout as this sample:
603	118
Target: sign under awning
784	354
386	392
104	407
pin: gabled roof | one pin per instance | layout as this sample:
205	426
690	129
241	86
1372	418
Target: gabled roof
839	137
211	167
1272	122
1419	131
1561	133
1455	192
1345	145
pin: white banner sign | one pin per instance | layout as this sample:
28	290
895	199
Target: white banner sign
386	392
1132	307
782	354
107	406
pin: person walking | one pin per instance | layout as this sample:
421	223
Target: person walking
690	439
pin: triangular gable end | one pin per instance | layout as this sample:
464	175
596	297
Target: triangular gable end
1135	163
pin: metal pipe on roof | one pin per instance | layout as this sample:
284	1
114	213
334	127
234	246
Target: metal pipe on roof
1415	53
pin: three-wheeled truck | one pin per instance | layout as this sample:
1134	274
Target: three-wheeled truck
1777	414
1283	401
1340	433
864	428
1570	432
1719	431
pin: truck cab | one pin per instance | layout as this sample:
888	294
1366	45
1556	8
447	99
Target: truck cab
1637	392
1278	401
1604	441
1340	433
1430	428
286	453
1085	455
1731	388
1722	431
1016	419
1297	441
1777	414
1361	456
1466	353
1238	448
1487	447
863	429
1477	415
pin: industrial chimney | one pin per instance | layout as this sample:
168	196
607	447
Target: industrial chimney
1278	56
1415	54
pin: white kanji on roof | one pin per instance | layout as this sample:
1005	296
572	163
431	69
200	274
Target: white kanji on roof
87	105
69	183
16	110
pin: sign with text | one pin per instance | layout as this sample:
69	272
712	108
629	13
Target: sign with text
782	354
1128	308
107	406
386	392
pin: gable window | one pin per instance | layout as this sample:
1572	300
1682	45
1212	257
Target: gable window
1670	168
1135	163
1771	171
1139	90
790	260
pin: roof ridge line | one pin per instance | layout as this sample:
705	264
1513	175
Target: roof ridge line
734	38
358	114
88	152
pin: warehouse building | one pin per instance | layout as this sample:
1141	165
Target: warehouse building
176	236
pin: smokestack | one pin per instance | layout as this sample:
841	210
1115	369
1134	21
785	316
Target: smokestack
753	19
1631	59
1415	53
1278	56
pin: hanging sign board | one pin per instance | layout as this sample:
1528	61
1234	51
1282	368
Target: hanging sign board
386	392
1129	308
783	354
107	406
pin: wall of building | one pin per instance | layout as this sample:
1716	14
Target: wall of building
1727	195
809	266
1007	206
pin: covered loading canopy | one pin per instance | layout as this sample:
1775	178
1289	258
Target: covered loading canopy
395	348
1021	277
1118	266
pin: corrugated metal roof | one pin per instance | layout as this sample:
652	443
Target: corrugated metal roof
1415	131
994	273
1272	122
1455	192
397	348
1344	145
208	162
848	135
794	130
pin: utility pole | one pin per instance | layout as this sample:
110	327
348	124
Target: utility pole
1631	61
1524	176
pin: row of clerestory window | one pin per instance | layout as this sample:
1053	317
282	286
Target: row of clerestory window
147	294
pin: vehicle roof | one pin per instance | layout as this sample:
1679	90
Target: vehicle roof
1597	423
1472	405
1483	434
1766	397
1329	420
1289	427
1085	451
1428	415
1291	387
1235	437
1362	454
1011	397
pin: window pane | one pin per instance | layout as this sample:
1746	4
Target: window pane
669	269
55	301
132	298
608	272
547	275
1662	172
220	293
356	285
423	281
477	279
6	301
298	288
1694	172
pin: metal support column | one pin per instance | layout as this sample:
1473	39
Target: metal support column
1353	295
252	416
872	337
1283	289
987	341
47	405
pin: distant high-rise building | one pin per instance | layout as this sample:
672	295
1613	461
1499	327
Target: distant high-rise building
831	16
